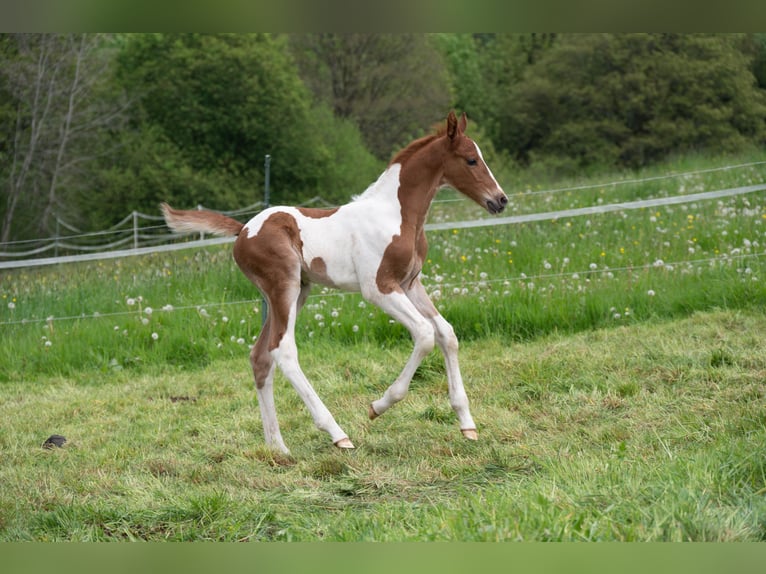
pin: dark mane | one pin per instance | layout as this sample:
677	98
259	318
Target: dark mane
403	155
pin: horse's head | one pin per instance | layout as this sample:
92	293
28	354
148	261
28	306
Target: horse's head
466	171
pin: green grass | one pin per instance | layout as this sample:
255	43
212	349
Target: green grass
647	432
615	365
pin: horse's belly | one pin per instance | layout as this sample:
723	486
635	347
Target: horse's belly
332	271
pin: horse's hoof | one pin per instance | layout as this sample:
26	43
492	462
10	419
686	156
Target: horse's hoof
344	443
371	413
470	434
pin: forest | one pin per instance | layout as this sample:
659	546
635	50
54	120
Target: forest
93	126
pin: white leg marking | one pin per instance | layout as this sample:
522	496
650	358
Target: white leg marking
398	306
448	343
268	409
286	356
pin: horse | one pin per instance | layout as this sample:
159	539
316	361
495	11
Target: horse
375	245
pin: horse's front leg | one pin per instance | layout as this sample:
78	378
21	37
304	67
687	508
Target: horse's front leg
400	308
448	343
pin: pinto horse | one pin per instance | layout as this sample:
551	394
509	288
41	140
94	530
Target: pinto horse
375	245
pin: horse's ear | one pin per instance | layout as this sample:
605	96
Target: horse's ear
452	127
463	121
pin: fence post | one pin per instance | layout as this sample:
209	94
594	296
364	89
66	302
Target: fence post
56	239
135	229
201	233
266	192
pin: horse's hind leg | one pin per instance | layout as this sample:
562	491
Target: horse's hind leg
263	372
285	352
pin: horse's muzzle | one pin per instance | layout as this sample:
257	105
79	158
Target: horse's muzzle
497	204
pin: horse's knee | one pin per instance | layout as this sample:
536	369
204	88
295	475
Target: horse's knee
424	338
446	338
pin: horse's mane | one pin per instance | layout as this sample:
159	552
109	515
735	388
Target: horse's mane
401	158
403	155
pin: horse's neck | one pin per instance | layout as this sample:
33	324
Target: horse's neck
412	186
417	189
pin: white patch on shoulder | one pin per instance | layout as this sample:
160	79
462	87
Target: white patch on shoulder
387	182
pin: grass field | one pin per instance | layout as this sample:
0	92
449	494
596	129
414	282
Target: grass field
615	365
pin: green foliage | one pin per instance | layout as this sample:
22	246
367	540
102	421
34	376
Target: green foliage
188	118
632	99
208	109
392	86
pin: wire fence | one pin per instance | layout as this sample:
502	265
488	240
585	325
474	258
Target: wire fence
143	245
131	236
724	259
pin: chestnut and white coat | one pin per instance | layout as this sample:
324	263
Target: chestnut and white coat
375	245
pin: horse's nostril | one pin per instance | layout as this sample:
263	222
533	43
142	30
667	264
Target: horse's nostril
503	200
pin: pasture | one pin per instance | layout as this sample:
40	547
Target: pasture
615	365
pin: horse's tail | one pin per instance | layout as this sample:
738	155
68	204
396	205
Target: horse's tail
201	221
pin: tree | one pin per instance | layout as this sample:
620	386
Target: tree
393	86
208	109
56	106
631	99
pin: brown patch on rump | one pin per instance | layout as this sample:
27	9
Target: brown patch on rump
315	213
272	260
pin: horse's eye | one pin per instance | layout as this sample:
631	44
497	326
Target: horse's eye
471	161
